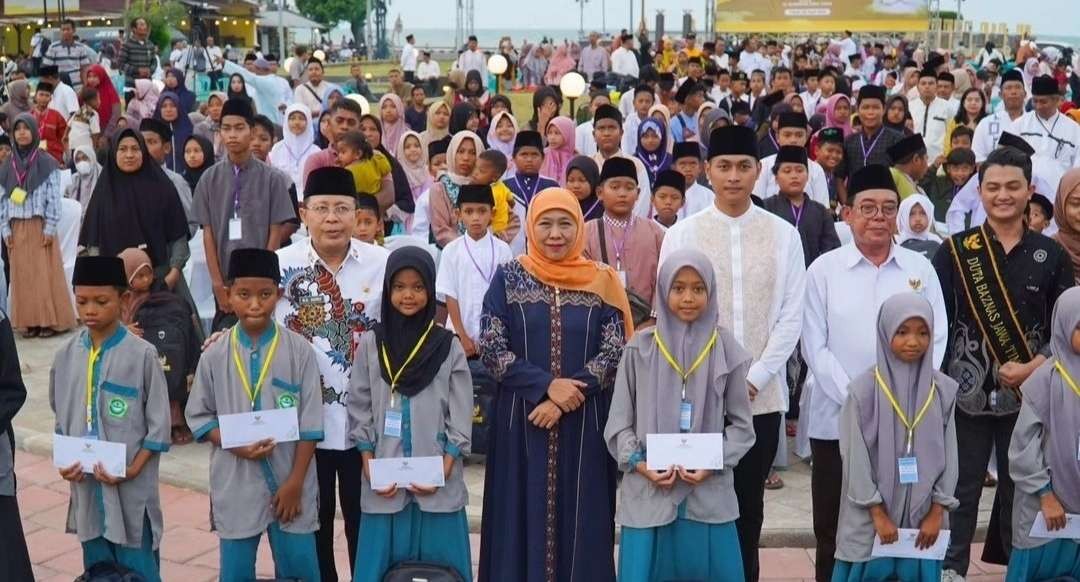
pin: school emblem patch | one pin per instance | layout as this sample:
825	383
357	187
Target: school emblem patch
286	401
118	407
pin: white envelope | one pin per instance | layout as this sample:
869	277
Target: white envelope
691	451
1071	530
245	428
70	450
403	471
904	546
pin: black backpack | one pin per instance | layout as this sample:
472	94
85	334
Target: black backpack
483	409
110	572
425	571
166	322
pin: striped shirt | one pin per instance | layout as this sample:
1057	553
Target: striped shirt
44	201
69	59
137	54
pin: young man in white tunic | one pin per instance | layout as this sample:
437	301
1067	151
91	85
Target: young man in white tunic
989	130
332	294
760	284
1053	135
793	132
930	113
845	288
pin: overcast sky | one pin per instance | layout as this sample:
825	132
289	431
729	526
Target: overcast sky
1045	16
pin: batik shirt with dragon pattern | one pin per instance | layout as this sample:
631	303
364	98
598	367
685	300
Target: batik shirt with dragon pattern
331	310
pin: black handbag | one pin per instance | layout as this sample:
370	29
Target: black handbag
422	572
640	309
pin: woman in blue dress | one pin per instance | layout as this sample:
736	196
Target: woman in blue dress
1043	454
552	332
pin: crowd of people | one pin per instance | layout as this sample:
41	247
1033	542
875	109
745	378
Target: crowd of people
871	249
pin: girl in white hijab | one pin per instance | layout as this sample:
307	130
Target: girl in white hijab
298	144
915	225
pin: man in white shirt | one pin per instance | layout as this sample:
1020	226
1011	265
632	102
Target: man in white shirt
811	97
624	60
314	90
332	294
409	55
930	113
848	44
472	58
760	276
946	87
845	288
752	60
607	132
792	132
1053	135
643	99
428	73
989	130
583	134
64	100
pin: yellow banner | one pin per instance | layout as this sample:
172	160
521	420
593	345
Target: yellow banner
821	15
36	8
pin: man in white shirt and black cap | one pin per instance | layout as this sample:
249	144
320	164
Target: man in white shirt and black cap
1013	97
1053	135
793	131
845	288
930	113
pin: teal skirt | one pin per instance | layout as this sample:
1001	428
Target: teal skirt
907	569
681	550
1057	558
412	535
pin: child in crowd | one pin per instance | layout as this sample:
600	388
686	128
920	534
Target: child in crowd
115	511
527	181
369	224
368	166
668	197
679	523
582	180
421	223
1039	213
910	163
686	159
262	137
411	396
915	226
5	148
961	137
830	156
84	127
740	113
619	239
265	486
500	138
1042	455
814	222
467	265
52	127
898	445
490	165
959	167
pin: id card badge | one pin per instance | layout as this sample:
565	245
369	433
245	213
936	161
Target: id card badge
622	277
392	425
686	415
18	196
236	231
909	470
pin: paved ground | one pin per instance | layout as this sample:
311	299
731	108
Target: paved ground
190	552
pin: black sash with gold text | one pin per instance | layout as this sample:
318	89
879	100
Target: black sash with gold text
987	296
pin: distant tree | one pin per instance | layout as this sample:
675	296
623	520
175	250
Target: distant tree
159	15
330	12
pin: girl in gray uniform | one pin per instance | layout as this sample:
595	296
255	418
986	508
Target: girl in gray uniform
411	396
106	384
898	445
684	375
266	486
1043	454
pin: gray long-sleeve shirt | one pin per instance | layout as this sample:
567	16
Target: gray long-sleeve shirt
1030	473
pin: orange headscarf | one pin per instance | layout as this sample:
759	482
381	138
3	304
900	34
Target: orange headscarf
573	271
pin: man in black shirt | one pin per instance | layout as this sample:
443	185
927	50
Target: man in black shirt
1000	282
870	144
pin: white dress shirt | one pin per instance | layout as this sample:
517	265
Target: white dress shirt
761	280
584	140
696	199
624	62
409	54
428	70
988	132
466	267
472	61
1055	139
359	281
844	293
64	100
931	121
817	187
810	101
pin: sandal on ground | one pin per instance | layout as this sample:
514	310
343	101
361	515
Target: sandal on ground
989	481
46	332
31	332
774	482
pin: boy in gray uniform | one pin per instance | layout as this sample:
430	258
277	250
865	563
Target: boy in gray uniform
107	384
266	486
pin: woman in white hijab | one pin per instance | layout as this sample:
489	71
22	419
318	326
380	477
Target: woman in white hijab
915	225
84	178
291	153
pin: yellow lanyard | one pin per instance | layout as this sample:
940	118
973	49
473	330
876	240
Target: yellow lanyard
900	412
253	392
94	355
1068	379
390	370
675	365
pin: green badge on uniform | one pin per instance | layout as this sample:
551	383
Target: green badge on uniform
286	401
118	407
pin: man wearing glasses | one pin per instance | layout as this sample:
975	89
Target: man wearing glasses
845	288
1000	282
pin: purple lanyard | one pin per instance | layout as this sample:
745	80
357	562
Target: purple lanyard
491	272
797	212
773	140
20	177
591	208
620	243
866	151
236	191
528	197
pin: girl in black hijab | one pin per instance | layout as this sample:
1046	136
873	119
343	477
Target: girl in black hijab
371	127
136	205
238	89
323	139
546	104
193	167
582	178
461	116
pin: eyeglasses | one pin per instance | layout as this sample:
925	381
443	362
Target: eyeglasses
323	210
872	210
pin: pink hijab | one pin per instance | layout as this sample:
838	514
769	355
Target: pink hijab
561	63
830	114
392	132
556	159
